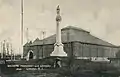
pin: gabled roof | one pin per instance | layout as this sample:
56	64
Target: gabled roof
37	39
71	34
28	43
37	42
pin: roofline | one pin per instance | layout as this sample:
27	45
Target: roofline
75	28
71	27
79	42
98	44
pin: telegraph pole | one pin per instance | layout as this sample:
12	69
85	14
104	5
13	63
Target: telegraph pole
14	56
43	33
4	49
27	35
11	52
7	48
22	28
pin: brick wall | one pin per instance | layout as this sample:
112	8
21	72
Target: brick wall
73	49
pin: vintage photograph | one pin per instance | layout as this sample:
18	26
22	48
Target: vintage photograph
59	38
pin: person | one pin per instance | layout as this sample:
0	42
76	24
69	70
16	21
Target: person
57	63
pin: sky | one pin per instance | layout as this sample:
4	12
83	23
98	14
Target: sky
100	17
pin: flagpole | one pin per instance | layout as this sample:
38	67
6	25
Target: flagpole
22	28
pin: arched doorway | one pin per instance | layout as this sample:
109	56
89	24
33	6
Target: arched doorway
30	55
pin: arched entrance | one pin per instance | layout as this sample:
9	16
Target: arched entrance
30	55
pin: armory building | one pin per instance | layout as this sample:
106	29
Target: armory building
77	43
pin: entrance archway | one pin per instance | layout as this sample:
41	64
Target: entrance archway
30	55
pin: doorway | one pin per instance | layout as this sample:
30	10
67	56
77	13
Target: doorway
30	55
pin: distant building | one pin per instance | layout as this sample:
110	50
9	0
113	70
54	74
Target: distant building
77	43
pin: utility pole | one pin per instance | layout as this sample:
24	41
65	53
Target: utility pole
11	52
22	27
4	49
14	56
27	35
43	33
7	45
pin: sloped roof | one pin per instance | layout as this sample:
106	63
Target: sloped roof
28	43
37	42
70	34
75	28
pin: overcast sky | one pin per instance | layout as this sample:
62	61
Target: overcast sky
100	17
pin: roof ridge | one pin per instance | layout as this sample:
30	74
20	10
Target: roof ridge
76	28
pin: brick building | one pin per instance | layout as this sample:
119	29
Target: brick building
77	42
